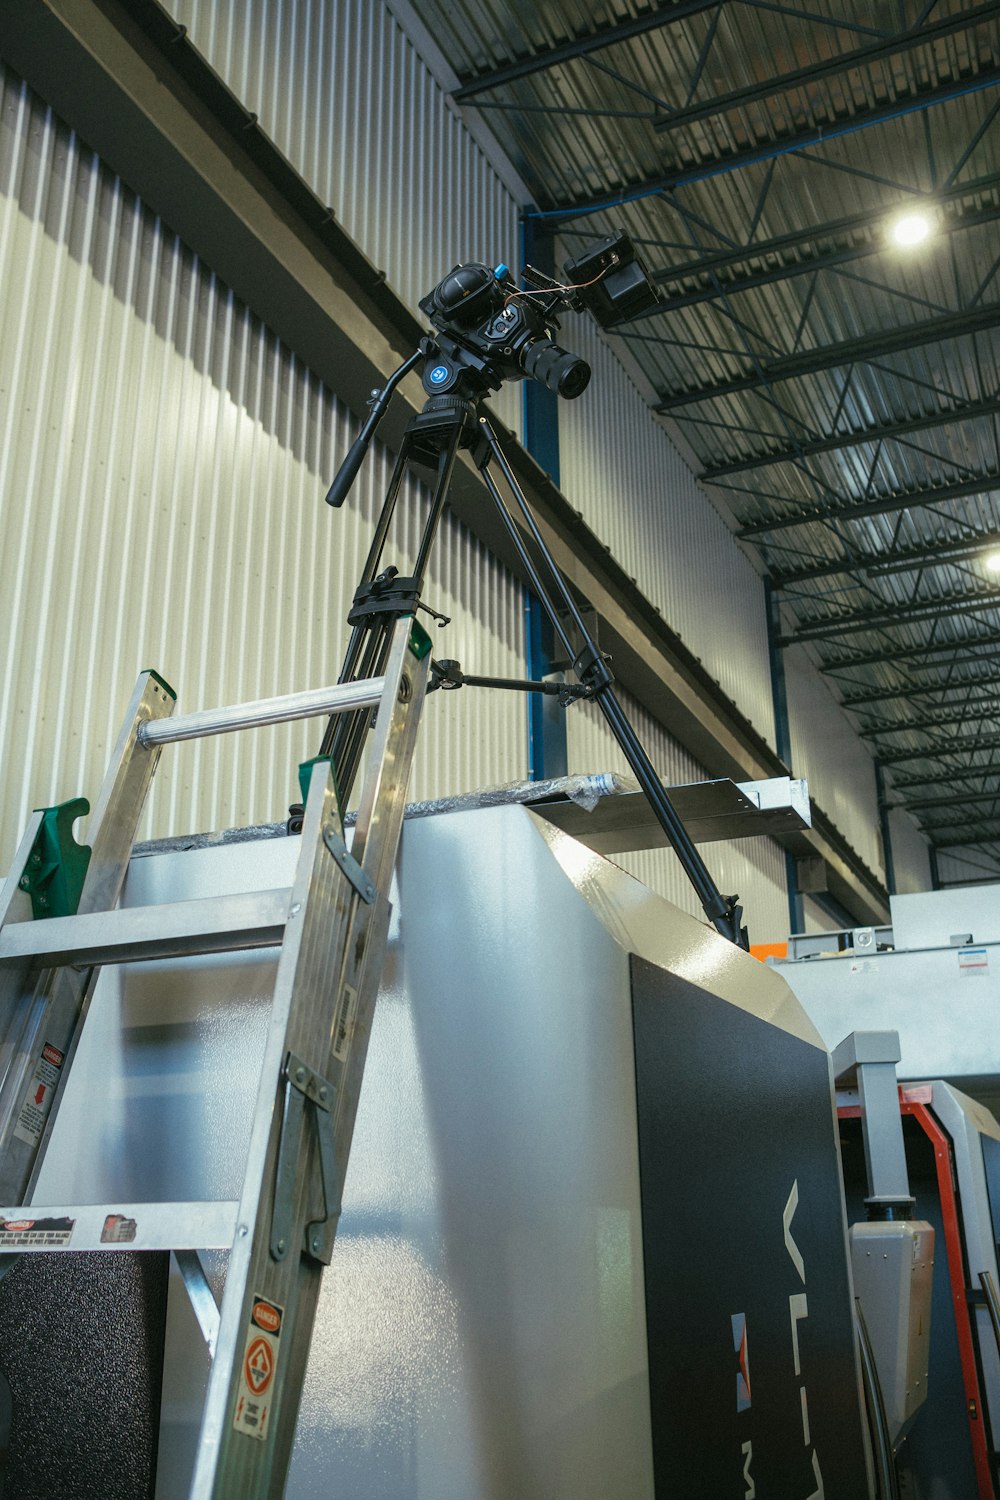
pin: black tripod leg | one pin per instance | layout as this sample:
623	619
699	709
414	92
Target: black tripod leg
368	648
722	911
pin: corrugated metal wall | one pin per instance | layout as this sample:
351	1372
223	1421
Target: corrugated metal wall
341	91
163	460
827	752
910	854
344	95
753	868
621	470
167	457
966	869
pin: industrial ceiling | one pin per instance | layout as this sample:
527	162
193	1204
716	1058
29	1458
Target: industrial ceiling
839	393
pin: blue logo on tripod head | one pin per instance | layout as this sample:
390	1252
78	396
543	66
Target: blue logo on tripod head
439	374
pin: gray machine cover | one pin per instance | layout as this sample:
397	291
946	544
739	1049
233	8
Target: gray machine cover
593	1242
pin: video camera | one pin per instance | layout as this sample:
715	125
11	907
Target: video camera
489	331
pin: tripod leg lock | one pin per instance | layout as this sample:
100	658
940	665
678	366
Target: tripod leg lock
591	667
303	1086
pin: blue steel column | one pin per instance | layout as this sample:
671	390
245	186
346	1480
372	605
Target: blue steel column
547	754
783	740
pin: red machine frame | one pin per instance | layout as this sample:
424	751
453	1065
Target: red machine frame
915	1101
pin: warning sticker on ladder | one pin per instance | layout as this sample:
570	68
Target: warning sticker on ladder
35	1234
38	1096
258	1368
343	1026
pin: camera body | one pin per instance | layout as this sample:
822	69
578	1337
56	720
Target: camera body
488	331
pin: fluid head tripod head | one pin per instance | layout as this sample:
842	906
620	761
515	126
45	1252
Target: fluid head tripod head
488	331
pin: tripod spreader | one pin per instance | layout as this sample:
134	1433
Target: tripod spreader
448	674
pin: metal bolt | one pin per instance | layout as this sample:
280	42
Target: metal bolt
243	1231
281	1244
300	1074
315	1244
323	1092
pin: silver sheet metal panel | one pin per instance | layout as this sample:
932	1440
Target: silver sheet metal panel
162	475
462	1347
482	1330
892	1265
943	1001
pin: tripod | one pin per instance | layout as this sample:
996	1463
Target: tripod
433	440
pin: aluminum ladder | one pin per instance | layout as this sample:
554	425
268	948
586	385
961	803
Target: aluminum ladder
332	928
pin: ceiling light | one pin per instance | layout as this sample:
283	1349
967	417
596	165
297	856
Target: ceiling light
911	228
993	563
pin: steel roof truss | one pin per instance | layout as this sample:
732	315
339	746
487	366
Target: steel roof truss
913	653
842	440
968	746
810	136
847	351
884	505
609	36
749	253
829	67
956	713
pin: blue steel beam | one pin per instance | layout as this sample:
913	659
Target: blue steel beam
827	67
582	46
814	135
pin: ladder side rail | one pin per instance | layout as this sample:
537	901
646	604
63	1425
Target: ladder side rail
325	988
375	845
50	1004
12	884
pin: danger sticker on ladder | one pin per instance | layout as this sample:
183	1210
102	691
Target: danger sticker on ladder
38	1096
35	1234
257	1371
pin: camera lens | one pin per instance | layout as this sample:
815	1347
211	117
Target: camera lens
565	373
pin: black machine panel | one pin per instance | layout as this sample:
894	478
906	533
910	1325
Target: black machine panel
81	1351
753	1382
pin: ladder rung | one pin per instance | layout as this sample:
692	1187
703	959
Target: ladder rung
33	1228
214	924
339	699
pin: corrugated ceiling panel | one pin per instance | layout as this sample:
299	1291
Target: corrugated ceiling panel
163	461
341	91
753	868
638	495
